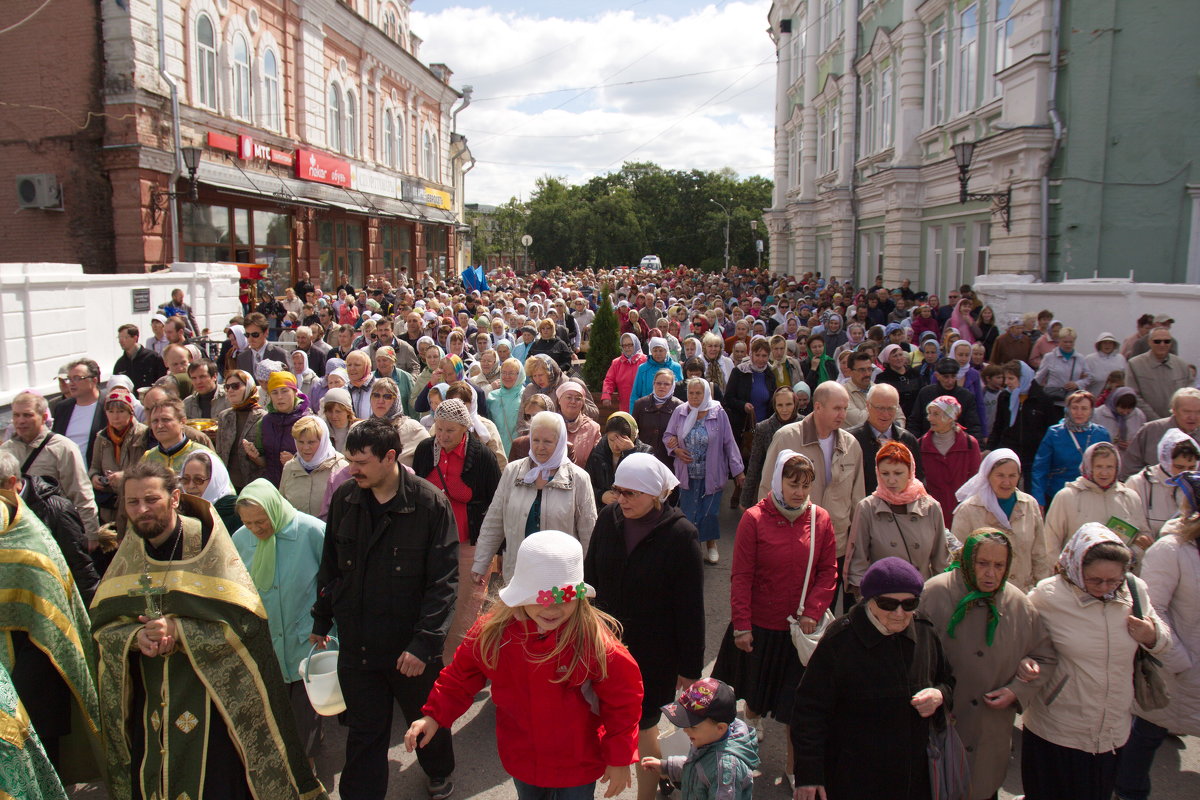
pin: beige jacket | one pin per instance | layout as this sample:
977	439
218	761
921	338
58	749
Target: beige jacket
191	406
1080	501
306	490
62	461
494	444
1142	451
1030	560
568	505
838	496
1156	497
411	434
1155	380
918	537
1171	569
980	668
1088	705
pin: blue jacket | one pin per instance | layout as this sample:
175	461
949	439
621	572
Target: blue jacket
298	549
643	382
723	770
1058	459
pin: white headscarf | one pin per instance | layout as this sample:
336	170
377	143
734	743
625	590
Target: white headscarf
476	423
540	469
777	476
981	487
658	341
324	449
643	472
241	343
962	343
637	346
706	404
218	481
1167	443
1070	561
139	411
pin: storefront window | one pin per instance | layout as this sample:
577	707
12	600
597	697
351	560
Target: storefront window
436	249
273	246
396	244
249	236
341	257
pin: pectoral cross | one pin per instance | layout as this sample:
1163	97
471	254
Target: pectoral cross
149	592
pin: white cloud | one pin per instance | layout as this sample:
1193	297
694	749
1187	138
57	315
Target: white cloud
520	126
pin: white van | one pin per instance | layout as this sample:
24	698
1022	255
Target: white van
650	262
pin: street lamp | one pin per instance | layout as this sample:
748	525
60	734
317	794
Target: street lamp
1001	201
726	210
159	198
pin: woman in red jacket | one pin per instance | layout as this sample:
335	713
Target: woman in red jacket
949	455
621	373
568	695
770	558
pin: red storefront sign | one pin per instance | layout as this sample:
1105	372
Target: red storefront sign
318	167
250	150
219	141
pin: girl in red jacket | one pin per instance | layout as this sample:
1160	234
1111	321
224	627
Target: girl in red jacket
568	695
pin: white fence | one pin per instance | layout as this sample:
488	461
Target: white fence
1092	307
52	313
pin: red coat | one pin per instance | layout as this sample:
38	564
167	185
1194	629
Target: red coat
770	556
619	379
547	733
944	474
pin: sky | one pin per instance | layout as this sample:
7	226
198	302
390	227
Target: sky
574	89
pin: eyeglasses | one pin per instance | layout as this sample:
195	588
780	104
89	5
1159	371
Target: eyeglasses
883	409
78	378
1102	583
624	494
1161	341
383	396
253	335
233	386
891	603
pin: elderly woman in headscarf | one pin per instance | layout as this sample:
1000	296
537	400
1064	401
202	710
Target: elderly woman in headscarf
968	377
991	499
948	453
305	377
385	367
203	475
331	380
306	477
123	381
545	377
996	646
273	444
550	345
1023	413
1045	344
1061	451
542	491
120	445
652	413
583	432
485	373
1075	728
337	410
647	571
783	543
282	548
619	442
660	358
751	385
706	454
457	462
504	404
783	405
899	518
863	713
1120	416
1096	496
236	427
1177	453
483	428
622	372
237	343
385	404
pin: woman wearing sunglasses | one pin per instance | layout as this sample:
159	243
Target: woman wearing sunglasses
859	729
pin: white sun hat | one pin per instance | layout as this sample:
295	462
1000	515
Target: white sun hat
549	571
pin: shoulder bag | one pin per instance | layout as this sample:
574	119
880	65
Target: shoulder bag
1149	687
805	643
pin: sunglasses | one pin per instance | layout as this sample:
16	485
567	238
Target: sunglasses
382	396
234	386
1161	341
254	335
624	493
891	603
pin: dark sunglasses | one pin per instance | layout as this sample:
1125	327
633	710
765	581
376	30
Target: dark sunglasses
382	396
891	603
1161	341
254	335
229	385
624	493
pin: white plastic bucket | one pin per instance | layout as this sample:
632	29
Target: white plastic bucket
319	672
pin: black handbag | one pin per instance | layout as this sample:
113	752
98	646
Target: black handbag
1149	686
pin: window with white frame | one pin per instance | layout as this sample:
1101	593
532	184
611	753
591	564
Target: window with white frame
350	137
1002	29
958	267
272	115
983	248
206	63
870	256
885	108
835	119
867	126
429	160
795	55
933	259
388	149
935	76
241	77
825	26
401	153
391	24
824	254
793	146
966	60
822	139
335	119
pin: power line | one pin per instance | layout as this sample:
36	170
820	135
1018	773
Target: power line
609	85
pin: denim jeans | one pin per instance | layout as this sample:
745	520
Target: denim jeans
701	509
1133	771
527	791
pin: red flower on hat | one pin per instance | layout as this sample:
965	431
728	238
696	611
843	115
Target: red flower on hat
545	598
568	593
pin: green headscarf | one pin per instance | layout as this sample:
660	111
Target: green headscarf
628	419
280	512
966	565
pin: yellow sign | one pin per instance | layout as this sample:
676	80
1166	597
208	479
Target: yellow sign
434	197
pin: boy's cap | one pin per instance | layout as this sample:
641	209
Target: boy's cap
707	698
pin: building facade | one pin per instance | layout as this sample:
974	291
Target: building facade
871	97
326	146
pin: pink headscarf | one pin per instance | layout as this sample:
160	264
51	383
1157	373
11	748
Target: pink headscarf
961	321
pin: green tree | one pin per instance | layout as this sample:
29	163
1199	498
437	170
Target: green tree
603	345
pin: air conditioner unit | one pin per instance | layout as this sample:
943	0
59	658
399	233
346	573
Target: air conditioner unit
39	191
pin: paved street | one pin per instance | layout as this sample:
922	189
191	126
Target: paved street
479	775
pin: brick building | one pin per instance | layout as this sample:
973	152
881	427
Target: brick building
326	146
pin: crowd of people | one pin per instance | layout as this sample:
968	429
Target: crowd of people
974	518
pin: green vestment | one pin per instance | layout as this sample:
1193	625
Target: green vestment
25	772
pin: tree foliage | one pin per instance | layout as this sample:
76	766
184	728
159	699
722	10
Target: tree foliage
603	345
617	218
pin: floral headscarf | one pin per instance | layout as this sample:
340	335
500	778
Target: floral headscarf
1089	455
966	565
1070	563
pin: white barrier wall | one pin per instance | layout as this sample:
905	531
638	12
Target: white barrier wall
1092	307
52	313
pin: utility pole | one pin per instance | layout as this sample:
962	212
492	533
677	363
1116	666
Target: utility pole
726	210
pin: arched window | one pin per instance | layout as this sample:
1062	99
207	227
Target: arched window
350	139
272	116
401	153
241	77
335	121
206	62
429	164
388	151
391	25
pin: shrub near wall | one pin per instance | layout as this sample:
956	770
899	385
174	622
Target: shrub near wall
604	344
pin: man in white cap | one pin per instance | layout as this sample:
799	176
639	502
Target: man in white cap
1106	360
159	342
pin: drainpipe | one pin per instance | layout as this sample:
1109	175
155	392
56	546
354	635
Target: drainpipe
1057	126
466	101
178	170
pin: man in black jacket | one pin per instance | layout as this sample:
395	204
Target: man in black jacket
388	578
883	403
946	374
140	365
